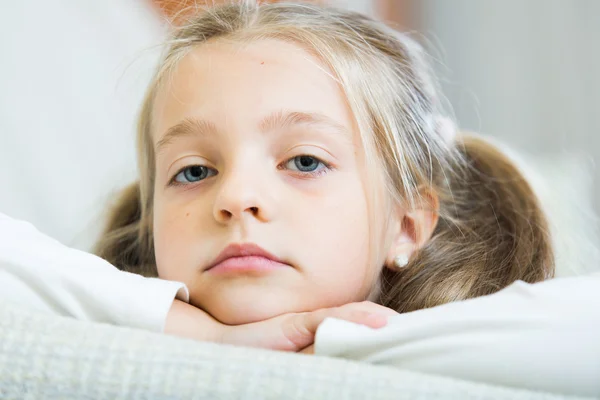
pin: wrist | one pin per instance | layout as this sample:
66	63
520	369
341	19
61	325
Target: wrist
185	320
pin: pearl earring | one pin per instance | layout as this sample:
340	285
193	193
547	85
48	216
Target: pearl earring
400	261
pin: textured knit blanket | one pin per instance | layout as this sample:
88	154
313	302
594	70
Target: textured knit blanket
49	357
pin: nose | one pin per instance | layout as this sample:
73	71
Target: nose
242	194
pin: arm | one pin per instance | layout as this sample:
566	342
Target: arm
287	332
41	273
543	336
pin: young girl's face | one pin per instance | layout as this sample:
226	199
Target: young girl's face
256	145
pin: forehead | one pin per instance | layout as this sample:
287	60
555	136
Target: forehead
234	85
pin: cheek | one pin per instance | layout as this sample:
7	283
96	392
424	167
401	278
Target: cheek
164	249
173	240
337	243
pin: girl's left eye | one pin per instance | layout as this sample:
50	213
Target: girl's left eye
306	164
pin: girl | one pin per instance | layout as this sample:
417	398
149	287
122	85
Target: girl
295	158
295	162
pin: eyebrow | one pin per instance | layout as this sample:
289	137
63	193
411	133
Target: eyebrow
276	120
187	127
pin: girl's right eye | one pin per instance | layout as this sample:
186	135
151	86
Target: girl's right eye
192	174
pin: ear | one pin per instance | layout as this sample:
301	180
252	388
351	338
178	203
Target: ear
413	229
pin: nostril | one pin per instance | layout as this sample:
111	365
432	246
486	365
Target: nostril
254	210
225	214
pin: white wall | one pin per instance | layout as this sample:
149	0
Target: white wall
526	72
71	80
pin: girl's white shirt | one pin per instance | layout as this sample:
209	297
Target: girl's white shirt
40	272
542	337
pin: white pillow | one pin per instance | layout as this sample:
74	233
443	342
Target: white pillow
563	183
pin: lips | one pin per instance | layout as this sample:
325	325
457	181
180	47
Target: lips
245	256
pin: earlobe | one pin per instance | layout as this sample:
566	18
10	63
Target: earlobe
403	243
413	232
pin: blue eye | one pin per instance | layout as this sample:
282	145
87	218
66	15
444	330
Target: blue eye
193	173
304	163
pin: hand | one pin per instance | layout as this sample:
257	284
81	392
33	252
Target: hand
308	350
296	331
185	320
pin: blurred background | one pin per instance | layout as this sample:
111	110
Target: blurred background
73	74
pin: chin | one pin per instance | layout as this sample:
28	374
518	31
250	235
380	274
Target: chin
238	305
236	314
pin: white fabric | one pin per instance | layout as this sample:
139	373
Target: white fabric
544	336
39	272
72	76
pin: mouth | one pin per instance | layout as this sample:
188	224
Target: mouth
245	257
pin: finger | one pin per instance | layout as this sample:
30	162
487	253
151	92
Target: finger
299	329
370	319
308	350
371	307
302	327
379	308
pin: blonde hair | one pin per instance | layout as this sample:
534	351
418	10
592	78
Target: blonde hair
491	230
